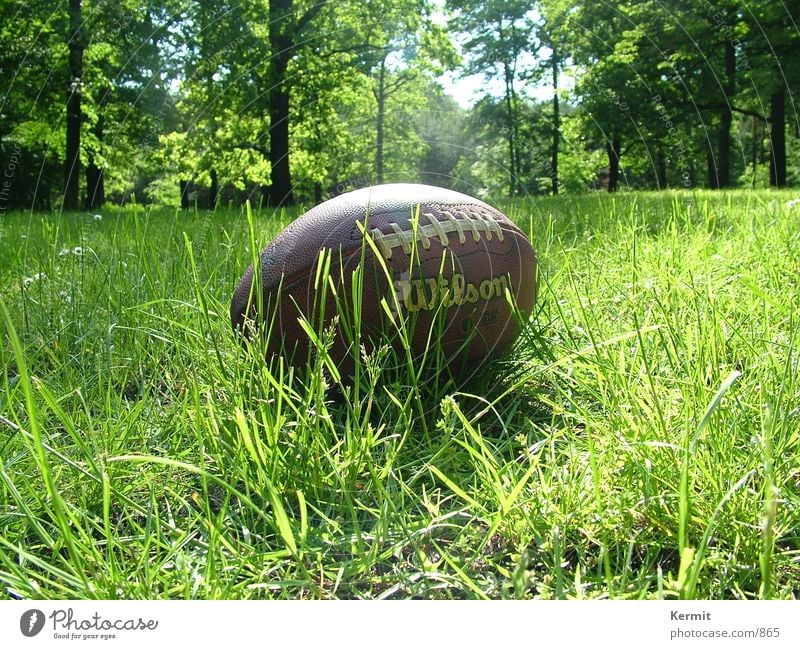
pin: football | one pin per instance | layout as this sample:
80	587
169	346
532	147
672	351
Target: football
415	268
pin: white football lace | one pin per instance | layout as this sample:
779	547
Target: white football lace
474	222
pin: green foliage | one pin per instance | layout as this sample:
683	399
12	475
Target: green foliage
182	94
497	34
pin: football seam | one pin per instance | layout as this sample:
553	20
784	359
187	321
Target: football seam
475	221
345	253
477	224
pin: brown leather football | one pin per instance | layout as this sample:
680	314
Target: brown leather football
408	262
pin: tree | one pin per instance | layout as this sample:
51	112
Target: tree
636	87
771	56
126	99
288	27
232	99
609	84
404	47
717	31
32	37
218	148
552	35
72	162
706	59
497	33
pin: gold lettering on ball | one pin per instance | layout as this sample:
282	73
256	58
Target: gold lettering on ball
429	293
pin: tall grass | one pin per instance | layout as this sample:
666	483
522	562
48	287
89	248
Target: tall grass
642	440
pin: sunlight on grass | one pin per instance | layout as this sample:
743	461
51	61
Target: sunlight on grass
640	442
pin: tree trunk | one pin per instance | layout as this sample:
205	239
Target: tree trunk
213	190
286	34
95	176
184	188
381	97
661	168
280	192
512	148
726	117
724	158
713	170
515	132
280	174
777	138
556	125
754	150
95	186
613	150
72	161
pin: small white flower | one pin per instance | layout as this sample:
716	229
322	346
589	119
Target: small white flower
30	280
97	217
77	251
64	252
792	203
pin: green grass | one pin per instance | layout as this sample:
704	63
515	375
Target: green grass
642	442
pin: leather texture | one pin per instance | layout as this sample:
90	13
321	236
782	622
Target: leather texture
441	262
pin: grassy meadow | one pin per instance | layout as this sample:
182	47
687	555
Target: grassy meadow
642	441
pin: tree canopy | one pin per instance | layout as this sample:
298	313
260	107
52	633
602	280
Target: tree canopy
279	101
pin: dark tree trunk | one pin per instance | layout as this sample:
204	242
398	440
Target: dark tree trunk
95	186
777	138
72	162
726	117
724	157
713	171
613	150
285	36
513	170
280	175
515	132
754	150
95	176
381	97
556	125
281	47
184	187
213	190
661	168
